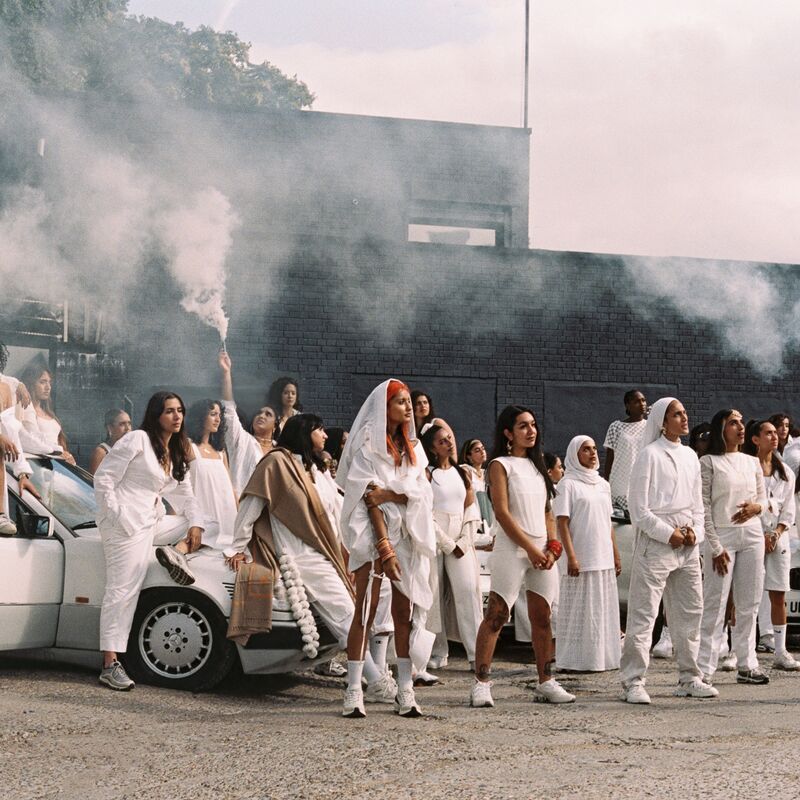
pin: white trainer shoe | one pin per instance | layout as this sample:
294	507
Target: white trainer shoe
552	692
637	694
437	662
481	695
785	662
405	704
664	647
353	703
728	664
381	691
696	688
425	678
7	527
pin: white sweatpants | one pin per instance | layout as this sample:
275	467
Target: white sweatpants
324	587
745	573
463	577
127	558
657	570
765	616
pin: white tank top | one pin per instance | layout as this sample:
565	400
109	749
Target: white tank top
449	492
214	492
527	500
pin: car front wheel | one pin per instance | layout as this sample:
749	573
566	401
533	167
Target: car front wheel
178	641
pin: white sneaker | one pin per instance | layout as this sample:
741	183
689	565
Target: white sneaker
728	663
405	704
785	662
664	647
381	691
481	695
696	688
425	678
437	662
7	527
353	703
552	692
636	693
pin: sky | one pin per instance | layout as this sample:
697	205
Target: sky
664	129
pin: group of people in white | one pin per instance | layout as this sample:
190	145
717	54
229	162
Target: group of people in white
380	529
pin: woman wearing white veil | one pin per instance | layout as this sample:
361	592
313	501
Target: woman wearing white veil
387	528
666	507
587	634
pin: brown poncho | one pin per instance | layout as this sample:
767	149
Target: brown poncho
290	496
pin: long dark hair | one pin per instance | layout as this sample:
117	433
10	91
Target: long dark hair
433	460
296	437
178	446
274	400
754	429
335	442
32	372
505	422
431	413
196	421
716	444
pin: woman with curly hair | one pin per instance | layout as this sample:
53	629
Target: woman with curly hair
144	467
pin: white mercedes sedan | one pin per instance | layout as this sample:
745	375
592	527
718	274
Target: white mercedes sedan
52	577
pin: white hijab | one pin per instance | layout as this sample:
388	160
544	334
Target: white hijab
574	470
369	428
655	420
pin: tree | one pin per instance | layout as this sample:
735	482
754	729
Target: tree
96	47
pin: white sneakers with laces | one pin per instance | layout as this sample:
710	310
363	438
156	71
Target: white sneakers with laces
354	703
405	703
637	694
383	690
481	695
696	688
552	692
785	662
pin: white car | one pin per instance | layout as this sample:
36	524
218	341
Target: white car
52	578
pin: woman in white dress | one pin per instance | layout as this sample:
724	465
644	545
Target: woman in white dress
525	551
117	423
387	528
473	459
587	637
761	440
245	448
211	482
733	499
41	429
143	467
455	514
622	444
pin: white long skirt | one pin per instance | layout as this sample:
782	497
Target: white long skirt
587	636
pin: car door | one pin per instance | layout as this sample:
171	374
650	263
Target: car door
31	578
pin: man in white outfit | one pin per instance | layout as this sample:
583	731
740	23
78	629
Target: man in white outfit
666	508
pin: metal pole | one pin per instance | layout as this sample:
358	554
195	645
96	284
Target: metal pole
527	60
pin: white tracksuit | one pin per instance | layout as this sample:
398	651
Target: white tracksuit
665	493
129	486
729	480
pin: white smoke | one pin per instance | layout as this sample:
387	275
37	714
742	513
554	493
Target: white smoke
197	237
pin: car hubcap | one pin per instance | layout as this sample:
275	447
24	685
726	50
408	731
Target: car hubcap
175	640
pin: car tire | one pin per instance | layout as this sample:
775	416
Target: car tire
178	640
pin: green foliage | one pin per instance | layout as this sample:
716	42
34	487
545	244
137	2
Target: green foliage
95	46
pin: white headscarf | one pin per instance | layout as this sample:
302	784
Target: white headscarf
655	420
369	427
574	470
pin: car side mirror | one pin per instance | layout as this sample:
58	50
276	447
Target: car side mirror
32	525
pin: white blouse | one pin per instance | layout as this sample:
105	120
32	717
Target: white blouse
780	506
729	480
130	483
244	451
527	502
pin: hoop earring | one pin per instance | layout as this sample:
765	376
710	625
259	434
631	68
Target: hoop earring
663	431
508	446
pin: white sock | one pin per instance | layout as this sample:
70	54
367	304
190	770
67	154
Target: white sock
371	671
780	639
354	670
378	644
404	680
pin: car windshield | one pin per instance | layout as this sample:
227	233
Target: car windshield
66	490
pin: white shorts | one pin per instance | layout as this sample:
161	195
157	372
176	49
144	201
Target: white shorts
776	566
510	574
